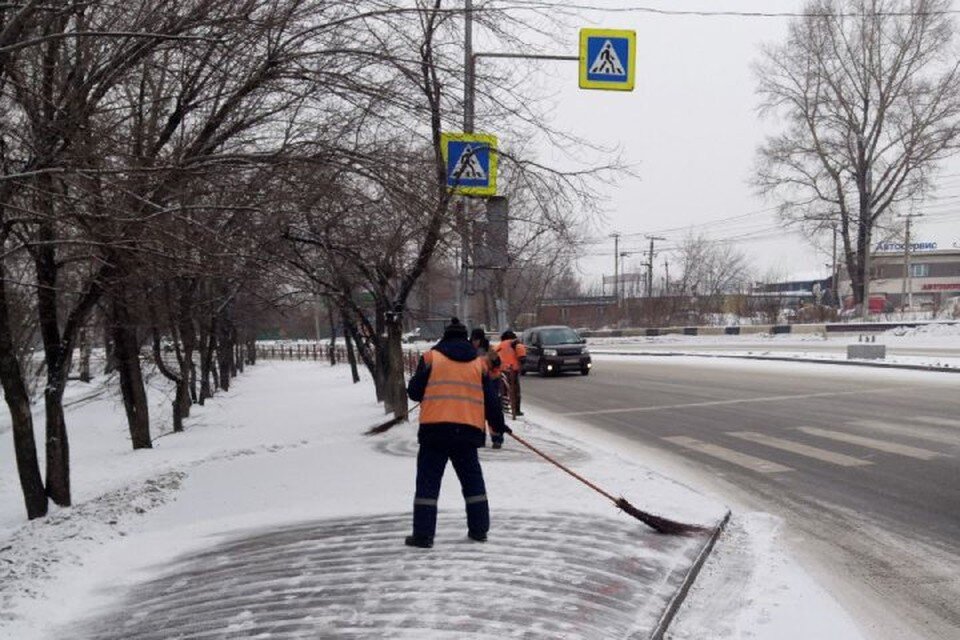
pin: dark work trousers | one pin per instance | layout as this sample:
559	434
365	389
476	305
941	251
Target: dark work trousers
501	390
514	377
431	462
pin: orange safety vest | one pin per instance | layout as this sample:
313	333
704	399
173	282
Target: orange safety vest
454	391
510	355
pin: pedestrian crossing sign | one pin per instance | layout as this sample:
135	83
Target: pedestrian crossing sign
608	59
471	163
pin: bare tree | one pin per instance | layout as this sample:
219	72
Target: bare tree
711	269
869	94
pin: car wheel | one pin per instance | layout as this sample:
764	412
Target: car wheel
543	368
585	371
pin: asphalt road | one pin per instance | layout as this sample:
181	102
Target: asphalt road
835	347
863	466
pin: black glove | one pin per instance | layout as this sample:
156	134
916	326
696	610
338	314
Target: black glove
505	429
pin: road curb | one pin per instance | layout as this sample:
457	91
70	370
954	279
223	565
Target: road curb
847	363
678	599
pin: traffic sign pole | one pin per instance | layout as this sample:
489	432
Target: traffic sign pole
463	302
615	69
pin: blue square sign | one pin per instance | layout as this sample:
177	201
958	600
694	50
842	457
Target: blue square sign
607	59
471	163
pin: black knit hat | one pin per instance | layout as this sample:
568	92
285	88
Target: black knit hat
455	330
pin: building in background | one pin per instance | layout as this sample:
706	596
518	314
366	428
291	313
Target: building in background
932	279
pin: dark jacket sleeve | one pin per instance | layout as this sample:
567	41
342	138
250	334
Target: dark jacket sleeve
492	406
418	382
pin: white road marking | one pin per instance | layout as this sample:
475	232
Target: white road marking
940	422
715	403
800	449
921	433
728	455
872	443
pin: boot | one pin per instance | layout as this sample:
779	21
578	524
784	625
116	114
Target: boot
418	541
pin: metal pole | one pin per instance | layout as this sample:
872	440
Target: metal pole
623	283
908	277
834	285
463	304
650	272
616	266
866	239
650	265
906	267
469	109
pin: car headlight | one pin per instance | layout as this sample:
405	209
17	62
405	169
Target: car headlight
549	352
585	351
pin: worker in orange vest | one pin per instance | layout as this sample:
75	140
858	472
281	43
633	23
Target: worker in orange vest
512	354
457	399
478	338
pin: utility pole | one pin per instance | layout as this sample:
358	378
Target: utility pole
463	282
623	284
616	265
666	270
469	111
906	291
650	265
866	213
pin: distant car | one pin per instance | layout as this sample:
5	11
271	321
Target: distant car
553	349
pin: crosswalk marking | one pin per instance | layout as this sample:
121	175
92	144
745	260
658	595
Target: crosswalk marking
921	433
940	422
729	455
800	449
873	443
718	403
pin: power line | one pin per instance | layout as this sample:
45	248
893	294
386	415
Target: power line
719	13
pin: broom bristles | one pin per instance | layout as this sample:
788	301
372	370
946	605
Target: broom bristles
385	426
659	523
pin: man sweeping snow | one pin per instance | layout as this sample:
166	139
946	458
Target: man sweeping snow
457	398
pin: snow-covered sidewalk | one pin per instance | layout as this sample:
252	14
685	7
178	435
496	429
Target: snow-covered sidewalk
273	517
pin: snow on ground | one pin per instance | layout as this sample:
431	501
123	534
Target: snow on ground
282	453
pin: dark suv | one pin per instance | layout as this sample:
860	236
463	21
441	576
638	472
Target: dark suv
554	349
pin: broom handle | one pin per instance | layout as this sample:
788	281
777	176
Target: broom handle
560	466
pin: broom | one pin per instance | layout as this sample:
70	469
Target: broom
389	424
658	523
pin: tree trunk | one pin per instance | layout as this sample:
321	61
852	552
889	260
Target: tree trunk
351	356
85	349
331	317
109	353
238	355
395	379
58	447
206	360
131	376
181	400
18	402
57	361
224	354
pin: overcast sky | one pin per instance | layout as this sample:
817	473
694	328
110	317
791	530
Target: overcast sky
691	130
